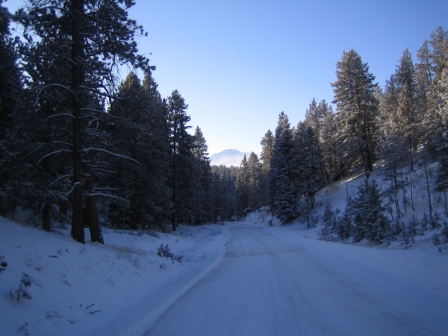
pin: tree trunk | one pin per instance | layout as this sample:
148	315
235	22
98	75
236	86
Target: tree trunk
428	193
91	211
134	206
174	197
46	216
77	231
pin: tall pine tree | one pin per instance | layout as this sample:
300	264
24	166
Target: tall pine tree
282	176
85	40
357	108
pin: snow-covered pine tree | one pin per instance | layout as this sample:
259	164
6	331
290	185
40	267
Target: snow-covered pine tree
203	192
314	120
224	194
282	176
85	40
10	94
267	147
357	109
344	223
308	169
407	119
332	158
138	134
369	221
432	56
255	181
329	223
242	187
441	139
183	175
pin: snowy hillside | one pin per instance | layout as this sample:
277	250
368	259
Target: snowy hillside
228	157
93	289
420	195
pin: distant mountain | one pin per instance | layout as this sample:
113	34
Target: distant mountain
228	157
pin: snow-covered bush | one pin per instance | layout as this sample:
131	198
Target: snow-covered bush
21	291
3	264
442	237
343	225
327	231
165	251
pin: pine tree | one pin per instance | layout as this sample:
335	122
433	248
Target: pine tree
357	109
314	119
330	220
407	118
242	187
84	40
332	158
10	91
203	192
255	181
10	86
267	147
183	175
439	44
138	135
432	56
442	129
308	162
344	223
367	211
224	192
282	176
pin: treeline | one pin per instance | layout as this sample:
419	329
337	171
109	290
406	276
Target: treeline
401	127
78	148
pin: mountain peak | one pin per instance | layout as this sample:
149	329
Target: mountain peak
228	157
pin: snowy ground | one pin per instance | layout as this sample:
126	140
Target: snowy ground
117	289
274	281
241	278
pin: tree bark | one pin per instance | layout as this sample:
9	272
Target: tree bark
46	216
77	231
91	211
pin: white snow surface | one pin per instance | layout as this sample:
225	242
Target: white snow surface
241	278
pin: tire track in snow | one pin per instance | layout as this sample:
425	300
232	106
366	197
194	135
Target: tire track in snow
269	285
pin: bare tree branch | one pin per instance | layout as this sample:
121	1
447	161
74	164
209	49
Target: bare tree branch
60	178
54	153
108	152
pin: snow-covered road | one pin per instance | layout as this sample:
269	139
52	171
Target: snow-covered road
273	281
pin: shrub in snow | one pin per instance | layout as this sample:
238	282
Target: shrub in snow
445	232
306	211
3	264
343	225
407	236
442	237
435	222
21	291
328	228
425	221
415	226
165	251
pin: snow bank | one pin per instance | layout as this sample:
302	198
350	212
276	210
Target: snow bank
117	289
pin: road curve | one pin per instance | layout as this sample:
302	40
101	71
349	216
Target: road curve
270	285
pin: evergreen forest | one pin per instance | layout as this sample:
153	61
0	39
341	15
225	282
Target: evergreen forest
79	146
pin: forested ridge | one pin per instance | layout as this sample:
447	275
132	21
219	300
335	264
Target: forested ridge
79	147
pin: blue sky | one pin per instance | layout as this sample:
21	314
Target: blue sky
239	63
